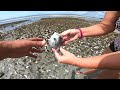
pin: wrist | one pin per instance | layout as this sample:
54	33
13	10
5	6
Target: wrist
3	50
80	33
2	56
80	62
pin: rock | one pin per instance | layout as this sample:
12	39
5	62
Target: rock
55	40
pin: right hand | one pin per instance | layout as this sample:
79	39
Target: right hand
66	57
20	48
70	35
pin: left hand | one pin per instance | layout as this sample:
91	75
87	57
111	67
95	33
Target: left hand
20	48
66	58
70	35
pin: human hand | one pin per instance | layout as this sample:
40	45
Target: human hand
66	57
70	35
20	48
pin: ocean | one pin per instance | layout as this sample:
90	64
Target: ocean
32	16
9	15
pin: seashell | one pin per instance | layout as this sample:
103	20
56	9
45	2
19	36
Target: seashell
55	40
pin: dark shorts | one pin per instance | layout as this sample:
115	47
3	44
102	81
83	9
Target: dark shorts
112	48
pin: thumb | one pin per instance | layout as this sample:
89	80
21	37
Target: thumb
57	55
72	39
64	52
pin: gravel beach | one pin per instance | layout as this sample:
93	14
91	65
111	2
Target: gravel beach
46	66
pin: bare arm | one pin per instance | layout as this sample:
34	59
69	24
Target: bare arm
106	61
107	25
21	48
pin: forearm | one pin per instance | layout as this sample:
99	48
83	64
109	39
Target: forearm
3	51
106	61
106	26
97	30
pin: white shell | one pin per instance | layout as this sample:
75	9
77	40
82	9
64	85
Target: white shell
55	41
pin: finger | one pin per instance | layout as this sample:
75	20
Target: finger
63	44
53	50
65	33
68	39
57	55
72	39
43	42
64	37
37	43
65	41
31	55
35	39
64	52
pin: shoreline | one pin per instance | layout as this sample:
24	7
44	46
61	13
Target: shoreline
46	66
9	24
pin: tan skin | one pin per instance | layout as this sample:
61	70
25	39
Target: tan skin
20	48
109	60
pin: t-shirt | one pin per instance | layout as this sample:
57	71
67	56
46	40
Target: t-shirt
117	39
118	24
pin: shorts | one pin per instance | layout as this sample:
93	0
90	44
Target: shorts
112	47
115	45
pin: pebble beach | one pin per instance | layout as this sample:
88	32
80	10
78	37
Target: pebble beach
46	66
